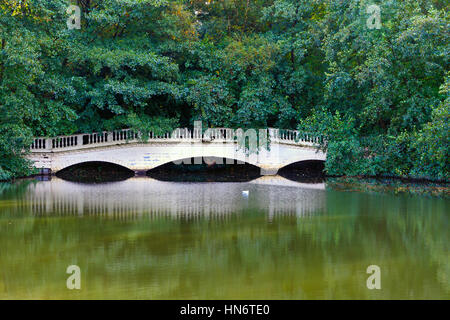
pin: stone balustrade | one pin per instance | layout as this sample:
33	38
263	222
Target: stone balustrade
217	135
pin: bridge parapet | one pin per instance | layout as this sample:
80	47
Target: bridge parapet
216	135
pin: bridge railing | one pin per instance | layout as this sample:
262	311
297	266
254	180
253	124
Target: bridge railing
294	136
117	137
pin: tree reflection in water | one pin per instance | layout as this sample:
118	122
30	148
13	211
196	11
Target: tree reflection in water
143	238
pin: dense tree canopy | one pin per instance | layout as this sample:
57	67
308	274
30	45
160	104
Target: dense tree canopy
380	95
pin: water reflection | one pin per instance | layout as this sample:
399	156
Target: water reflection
145	197
147	239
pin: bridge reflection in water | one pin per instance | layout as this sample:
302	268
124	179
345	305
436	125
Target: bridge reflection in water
146	198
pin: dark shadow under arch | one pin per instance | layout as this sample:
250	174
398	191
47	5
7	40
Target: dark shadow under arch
211	169
95	172
309	171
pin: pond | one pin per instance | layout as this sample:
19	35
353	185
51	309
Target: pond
146	239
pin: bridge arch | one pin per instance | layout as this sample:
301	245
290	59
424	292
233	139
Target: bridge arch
211	169
317	163
95	171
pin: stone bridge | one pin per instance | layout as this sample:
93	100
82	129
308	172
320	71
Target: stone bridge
275	148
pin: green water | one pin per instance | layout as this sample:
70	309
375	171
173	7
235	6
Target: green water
146	239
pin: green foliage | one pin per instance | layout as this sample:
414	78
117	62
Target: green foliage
13	140
432	143
211	100
380	96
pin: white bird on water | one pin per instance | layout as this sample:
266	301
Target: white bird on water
245	193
